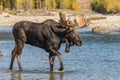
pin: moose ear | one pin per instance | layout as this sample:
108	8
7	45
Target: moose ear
59	28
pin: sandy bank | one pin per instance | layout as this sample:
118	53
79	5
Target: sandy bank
9	20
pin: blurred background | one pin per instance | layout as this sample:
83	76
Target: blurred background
17	6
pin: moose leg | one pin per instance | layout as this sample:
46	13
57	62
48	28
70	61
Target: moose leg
67	48
19	63
61	63
59	56
12	58
51	61
20	45
16	53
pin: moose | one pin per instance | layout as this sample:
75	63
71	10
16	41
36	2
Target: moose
48	35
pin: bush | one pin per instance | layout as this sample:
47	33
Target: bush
69	4
51	4
75	5
38	4
106	6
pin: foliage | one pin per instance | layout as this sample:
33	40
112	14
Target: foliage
38	4
113	6
51	4
74	5
106	6
69	4
19	3
66	4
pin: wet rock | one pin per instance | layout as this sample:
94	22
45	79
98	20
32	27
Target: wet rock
0	53
98	29
102	30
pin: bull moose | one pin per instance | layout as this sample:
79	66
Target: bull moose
48	35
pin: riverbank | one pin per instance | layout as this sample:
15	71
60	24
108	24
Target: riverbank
111	21
10	20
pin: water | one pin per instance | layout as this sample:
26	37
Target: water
97	59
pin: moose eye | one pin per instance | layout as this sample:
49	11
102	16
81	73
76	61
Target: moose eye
61	26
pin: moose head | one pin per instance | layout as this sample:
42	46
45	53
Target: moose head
72	35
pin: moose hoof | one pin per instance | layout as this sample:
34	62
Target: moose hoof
10	68
61	69
51	70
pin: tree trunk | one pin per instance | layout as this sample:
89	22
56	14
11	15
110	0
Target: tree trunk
13	4
45	6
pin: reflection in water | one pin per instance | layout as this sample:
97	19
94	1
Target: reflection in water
16	75
52	76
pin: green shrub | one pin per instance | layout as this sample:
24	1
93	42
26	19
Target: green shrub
66	4
106	6
51	4
38	4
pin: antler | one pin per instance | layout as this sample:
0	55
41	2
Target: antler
62	18
65	22
80	21
70	23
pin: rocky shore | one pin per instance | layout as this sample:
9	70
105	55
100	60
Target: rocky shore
110	21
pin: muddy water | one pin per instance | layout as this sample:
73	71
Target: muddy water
97	59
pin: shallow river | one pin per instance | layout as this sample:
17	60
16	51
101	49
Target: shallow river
97	59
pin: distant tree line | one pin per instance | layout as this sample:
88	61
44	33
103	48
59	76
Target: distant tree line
38	4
